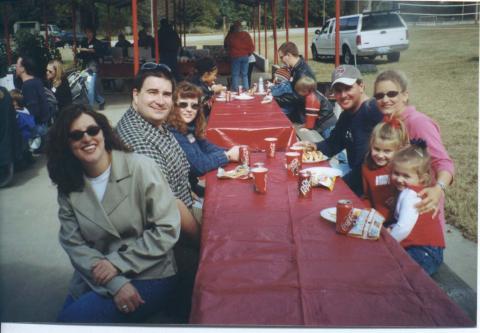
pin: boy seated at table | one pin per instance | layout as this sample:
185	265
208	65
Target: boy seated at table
281	82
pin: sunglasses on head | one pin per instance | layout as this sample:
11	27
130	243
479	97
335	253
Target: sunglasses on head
390	94
78	135
151	66
184	105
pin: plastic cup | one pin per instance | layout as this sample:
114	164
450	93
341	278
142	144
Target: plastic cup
271	144
297	149
244	155
294	163
310	120
260	179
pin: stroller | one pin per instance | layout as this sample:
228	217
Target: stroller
77	80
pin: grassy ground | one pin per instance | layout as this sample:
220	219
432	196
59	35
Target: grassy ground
442	67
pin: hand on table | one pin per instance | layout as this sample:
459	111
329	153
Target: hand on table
127	299
430	200
233	154
218	88
103	271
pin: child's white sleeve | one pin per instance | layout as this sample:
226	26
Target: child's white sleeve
407	214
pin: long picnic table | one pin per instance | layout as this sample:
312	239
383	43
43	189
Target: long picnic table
270	259
248	122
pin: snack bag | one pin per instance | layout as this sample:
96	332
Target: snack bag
240	172
323	181
368	224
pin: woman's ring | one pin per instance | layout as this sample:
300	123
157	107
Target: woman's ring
124	307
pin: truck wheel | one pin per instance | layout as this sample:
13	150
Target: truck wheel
347	56
393	57
6	174
314	52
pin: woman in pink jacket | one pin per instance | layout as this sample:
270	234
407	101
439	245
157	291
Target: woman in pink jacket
240	46
390	91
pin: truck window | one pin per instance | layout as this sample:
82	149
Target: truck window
325	28
381	21
348	23
331	27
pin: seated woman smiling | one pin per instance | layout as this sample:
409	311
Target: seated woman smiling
188	126
118	222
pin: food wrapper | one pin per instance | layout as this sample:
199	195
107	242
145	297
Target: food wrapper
368	224
240	172
319	180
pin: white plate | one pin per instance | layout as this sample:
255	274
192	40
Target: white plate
244	97
221	99
329	214
325	171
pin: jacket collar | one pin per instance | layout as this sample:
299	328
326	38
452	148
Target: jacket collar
87	204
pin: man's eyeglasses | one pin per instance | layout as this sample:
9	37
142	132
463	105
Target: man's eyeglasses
151	66
78	135
390	94
184	105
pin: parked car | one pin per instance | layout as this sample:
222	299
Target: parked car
368	34
53	30
66	38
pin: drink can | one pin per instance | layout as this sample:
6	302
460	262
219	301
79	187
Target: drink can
345	219
304	184
240	89
228	96
244	155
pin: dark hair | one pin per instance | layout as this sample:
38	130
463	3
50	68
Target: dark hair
205	65
64	169
28	63
17	97
187	90
159	72
289	47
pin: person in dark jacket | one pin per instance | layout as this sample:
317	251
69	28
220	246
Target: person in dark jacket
188	125
291	104
205	76
168	45
59	83
124	44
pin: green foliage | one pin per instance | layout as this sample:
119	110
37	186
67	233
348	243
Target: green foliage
3	60
34	46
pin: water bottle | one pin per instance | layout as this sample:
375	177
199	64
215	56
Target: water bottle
261	88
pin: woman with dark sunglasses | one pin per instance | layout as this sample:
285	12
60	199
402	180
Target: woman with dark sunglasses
187	123
118	222
391	94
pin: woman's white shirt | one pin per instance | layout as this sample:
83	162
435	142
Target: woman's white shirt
405	214
99	184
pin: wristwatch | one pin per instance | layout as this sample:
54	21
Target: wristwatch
442	185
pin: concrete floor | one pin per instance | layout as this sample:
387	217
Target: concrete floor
35	270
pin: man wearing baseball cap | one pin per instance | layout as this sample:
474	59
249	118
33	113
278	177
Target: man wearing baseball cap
355	124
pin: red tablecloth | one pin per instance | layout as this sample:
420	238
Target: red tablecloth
271	260
249	122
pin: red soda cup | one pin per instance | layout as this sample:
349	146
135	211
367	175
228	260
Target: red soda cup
260	179
298	149
294	163
271	146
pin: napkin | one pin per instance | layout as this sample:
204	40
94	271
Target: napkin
240	172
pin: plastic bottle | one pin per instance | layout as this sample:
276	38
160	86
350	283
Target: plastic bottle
261	88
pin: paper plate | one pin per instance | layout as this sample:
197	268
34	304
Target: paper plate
221	99
329	214
325	171
243	97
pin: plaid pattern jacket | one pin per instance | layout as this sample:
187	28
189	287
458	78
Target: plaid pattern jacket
160	145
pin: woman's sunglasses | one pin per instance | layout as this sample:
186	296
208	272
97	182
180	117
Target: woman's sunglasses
390	94
78	135
184	105
151	66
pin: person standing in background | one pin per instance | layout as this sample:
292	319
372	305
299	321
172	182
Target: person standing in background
59	83
240	46
168	44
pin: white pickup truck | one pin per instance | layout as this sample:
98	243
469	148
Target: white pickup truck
368	34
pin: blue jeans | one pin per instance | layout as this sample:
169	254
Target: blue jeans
240	73
94	308
341	157
429	257
93	87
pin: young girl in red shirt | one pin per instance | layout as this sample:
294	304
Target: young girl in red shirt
420	235
386	138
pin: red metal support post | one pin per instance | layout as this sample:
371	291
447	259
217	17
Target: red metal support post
305	21
337	33
166	9
259	20
286	20
184	26
254	26
6	33
74	23
274	18
265	23
136	55
155	28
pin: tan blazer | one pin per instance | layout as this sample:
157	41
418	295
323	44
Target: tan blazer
135	226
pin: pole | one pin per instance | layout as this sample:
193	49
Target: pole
136	55
184	25
166	9
259	19
337	33
274	18
286	20
254	27
323	13
109	25
265	27
45	25
7	34
74	23
305	21
155	29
